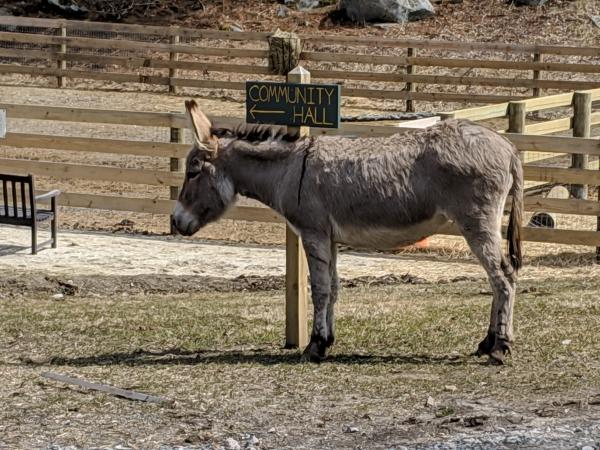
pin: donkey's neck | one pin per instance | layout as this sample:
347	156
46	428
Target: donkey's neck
267	180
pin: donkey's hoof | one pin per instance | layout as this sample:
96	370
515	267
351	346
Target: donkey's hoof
495	347
485	347
313	353
330	341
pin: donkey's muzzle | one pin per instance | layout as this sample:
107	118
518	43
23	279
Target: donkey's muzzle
183	221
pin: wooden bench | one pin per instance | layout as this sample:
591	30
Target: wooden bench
19	207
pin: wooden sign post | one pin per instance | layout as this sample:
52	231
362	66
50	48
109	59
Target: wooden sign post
296	269
299	105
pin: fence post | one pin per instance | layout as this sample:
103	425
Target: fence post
177	136
537	57
296	273
410	107
173	56
517	112
61	63
582	116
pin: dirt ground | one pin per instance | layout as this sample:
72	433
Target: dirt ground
399	376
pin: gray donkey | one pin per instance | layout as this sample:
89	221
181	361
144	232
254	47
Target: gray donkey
378	193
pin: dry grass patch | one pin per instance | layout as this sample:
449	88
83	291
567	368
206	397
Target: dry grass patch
219	356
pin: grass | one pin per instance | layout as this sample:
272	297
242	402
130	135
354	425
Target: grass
219	357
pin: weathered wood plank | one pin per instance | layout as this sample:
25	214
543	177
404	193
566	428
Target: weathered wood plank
449	45
134	62
121	44
559	175
555	144
159	206
432	61
454	80
126	147
134	29
550	235
549	126
107	389
65	171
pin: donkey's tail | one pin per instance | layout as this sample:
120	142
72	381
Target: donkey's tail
513	233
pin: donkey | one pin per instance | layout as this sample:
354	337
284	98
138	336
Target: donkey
378	193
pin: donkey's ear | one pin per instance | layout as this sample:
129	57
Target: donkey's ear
201	126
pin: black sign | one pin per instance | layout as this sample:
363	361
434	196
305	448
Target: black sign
311	105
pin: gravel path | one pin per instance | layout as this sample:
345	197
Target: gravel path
87	253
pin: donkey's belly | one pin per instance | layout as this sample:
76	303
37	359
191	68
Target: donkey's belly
386	238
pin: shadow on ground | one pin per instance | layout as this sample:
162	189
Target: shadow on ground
6	250
265	357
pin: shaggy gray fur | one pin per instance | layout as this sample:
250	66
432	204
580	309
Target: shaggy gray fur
378	193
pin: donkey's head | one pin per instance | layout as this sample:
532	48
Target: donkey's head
207	190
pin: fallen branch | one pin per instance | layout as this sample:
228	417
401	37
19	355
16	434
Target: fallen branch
118	392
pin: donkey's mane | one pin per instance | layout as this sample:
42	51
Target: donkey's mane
255	133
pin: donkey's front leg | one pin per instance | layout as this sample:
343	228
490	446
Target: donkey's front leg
318	254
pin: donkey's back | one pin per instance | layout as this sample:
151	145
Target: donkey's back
391	191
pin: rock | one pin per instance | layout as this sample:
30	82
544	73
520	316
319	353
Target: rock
271	430
58	296
232	444
596	20
450	388
283	11
528	2
67	10
587	447
430	403
252	441
307	4
566	342
401	11
232	27
351	429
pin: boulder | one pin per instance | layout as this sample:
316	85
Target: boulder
68	10
362	11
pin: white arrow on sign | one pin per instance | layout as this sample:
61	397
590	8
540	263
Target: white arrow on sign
254	111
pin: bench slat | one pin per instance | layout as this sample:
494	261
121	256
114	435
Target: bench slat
18	213
13	185
5	196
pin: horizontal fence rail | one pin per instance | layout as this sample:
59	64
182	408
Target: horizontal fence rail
172	58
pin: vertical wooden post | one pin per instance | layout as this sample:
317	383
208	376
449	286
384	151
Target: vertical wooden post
296	275
582	119
177	165
537	57
173	56
517	112
61	63
410	107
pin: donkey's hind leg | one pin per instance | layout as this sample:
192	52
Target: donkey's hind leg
485	240
332	296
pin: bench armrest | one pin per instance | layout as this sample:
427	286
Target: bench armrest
47	195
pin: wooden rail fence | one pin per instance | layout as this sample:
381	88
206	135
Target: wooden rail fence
526	142
175	58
